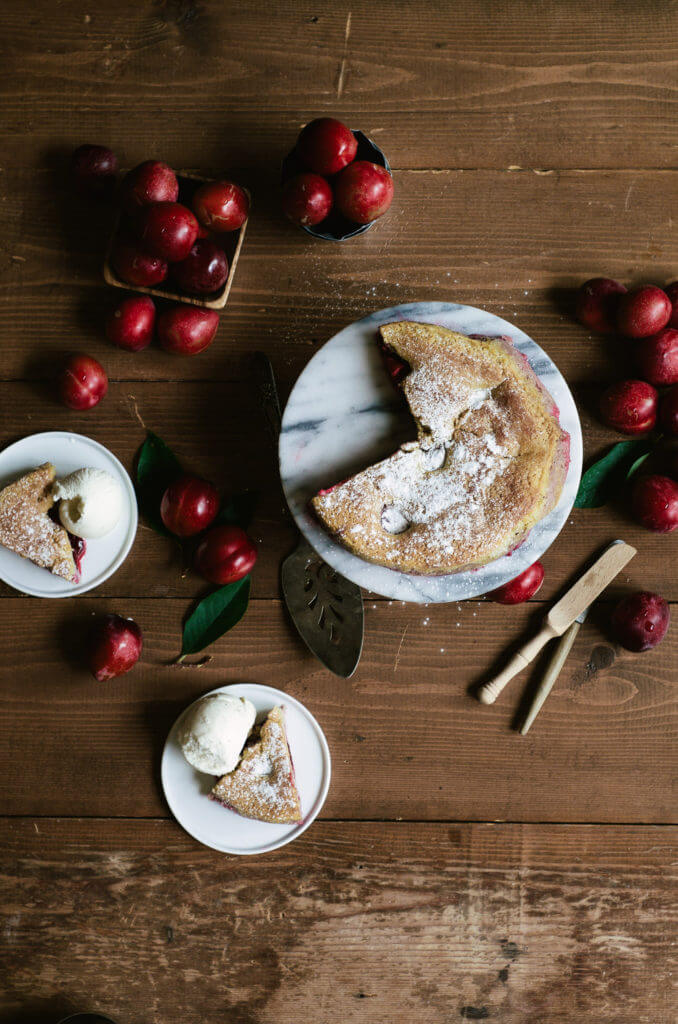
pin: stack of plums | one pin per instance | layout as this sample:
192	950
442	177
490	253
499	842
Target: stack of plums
224	553
160	237
170	228
331	180
648	317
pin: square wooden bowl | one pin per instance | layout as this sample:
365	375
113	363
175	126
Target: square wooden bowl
231	243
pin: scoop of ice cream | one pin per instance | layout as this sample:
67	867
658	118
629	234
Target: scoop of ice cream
214	732
91	502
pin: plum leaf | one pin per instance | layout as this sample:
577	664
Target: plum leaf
603	479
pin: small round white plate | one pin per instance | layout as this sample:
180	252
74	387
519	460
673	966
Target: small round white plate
186	790
68	452
343	415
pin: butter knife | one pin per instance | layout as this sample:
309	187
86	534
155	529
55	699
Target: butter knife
553	669
326	608
562	615
556	662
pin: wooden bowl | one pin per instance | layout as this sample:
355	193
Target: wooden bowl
231	242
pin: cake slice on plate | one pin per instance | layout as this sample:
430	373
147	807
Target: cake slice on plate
489	461
27	528
263	786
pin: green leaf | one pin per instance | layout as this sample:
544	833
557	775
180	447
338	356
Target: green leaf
605	477
238	511
157	467
215	615
635	466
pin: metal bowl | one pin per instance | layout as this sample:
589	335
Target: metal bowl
87	1018
336	228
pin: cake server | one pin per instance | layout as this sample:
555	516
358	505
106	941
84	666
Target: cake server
563	614
326	608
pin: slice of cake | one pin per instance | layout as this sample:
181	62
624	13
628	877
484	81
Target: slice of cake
489	461
263	785
27	528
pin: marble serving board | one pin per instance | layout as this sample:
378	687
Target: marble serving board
343	415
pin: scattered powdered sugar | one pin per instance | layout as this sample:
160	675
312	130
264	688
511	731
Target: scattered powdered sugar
478	397
262	774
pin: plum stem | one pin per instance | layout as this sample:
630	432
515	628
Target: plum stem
179	661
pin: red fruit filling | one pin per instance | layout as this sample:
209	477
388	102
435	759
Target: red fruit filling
78	544
328	490
396	367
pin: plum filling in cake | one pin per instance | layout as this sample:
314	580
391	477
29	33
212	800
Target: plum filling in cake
78	544
333	487
396	367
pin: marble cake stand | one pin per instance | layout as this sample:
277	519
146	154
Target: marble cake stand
343	415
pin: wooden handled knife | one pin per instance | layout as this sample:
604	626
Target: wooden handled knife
563	614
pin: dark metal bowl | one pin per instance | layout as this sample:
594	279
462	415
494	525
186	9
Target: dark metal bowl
87	1018
336	228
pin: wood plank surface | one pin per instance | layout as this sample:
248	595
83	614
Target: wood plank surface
439	85
356	922
408	740
216	430
514	243
533	146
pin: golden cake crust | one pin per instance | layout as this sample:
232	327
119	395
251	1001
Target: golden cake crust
490	459
27	529
263	785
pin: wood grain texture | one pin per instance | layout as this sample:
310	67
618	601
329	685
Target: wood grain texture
217	431
358	923
533	146
408	740
471	85
515	243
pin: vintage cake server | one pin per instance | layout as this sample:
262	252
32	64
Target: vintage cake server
326	608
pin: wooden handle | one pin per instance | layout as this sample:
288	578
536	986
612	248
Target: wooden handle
552	672
490	691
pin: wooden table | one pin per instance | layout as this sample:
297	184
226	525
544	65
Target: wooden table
458	871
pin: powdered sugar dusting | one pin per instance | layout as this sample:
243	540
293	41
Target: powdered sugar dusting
263	786
473	483
27	529
452	498
433	402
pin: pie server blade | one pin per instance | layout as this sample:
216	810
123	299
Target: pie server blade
325	607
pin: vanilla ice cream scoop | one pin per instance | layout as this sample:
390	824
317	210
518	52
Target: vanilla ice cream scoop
214	732
91	502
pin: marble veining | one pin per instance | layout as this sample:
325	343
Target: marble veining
343	415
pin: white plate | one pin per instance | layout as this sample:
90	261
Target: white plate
68	452
343	415
186	790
